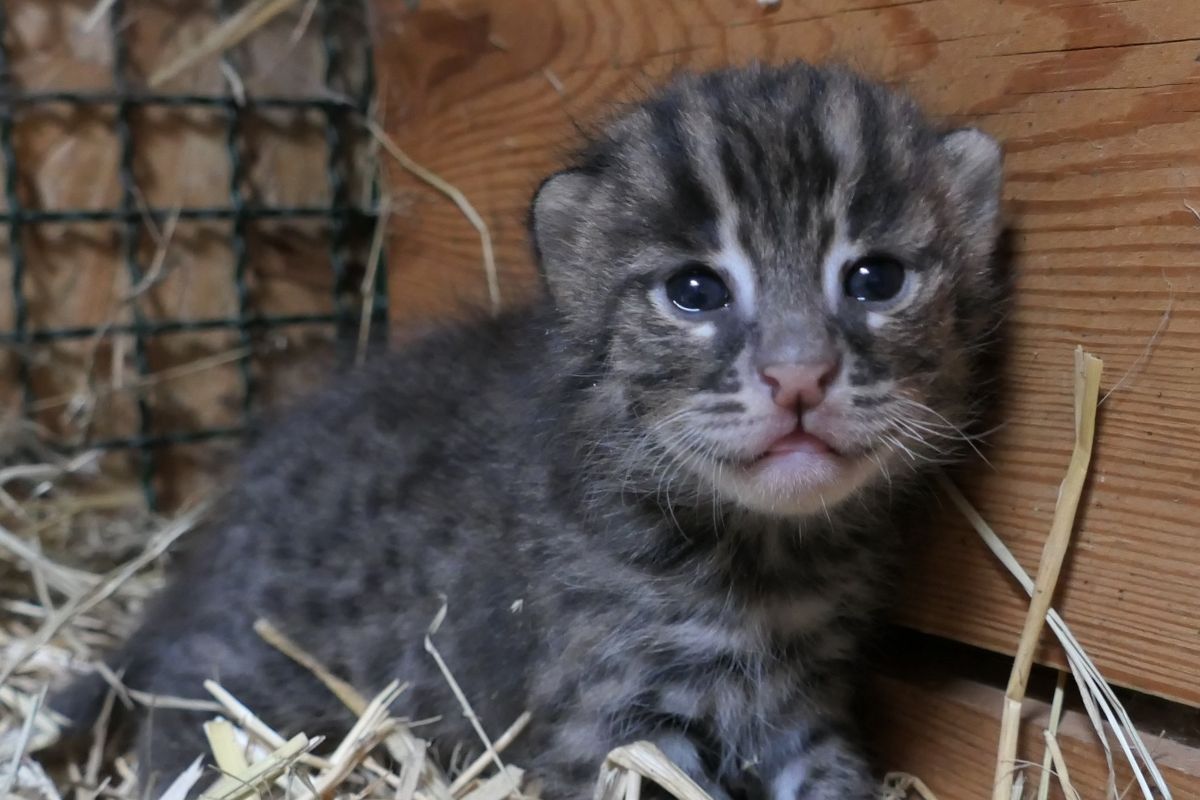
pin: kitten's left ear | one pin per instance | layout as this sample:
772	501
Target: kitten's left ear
556	221
973	165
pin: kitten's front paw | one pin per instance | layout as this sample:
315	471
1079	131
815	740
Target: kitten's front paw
824	776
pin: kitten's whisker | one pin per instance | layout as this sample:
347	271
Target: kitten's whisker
883	470
903	448
905	400
678	452
825	508
939	426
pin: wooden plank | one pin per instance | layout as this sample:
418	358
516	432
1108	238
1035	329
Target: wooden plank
946	733
1097	105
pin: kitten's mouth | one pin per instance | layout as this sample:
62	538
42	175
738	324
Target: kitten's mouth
798	441
798	473
804	456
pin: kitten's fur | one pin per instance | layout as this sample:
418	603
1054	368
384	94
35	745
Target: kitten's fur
572	478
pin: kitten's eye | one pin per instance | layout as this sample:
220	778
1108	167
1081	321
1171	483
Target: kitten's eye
874	279
697	288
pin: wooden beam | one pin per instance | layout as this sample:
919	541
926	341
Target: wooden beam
945	732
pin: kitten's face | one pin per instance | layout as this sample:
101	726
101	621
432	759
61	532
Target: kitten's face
782	278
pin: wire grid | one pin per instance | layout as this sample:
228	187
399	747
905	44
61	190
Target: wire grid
344	109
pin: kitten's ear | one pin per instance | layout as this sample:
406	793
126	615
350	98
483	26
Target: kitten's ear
556	220
973	165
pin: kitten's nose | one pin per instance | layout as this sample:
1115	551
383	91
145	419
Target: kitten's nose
799	386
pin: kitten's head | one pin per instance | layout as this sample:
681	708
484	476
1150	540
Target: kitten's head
782	279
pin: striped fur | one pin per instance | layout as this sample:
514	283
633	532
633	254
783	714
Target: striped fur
587	456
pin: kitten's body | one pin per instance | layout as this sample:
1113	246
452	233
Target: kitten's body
590	483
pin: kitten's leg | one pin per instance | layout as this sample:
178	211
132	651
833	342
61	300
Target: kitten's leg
812	761
571	765
168	742
283	694
684	753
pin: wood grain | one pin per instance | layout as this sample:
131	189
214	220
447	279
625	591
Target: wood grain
945	733
1097	104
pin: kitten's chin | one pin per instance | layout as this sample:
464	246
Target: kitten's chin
798	476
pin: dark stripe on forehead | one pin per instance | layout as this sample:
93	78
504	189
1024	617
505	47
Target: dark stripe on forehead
731	169
774	203
740	186
745	165
819	172
782	190
814	167
755	155
825	231
743	160
879	196
690	220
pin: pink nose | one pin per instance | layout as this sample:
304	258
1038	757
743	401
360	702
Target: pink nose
799	386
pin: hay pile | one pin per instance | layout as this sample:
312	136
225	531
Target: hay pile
72	590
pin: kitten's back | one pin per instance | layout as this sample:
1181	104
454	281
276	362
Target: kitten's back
349	523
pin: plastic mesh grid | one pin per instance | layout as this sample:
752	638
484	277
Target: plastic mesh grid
344	109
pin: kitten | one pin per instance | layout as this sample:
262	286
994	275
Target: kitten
660	500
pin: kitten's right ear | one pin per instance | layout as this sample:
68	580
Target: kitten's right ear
973	162
556	220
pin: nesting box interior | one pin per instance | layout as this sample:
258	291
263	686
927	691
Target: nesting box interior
1097	105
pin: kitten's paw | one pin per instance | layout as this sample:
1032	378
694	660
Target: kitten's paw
824	776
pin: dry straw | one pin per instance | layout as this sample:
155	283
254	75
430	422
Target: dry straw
900	785
457	197
1087	394
1103	708
228	34
1051	732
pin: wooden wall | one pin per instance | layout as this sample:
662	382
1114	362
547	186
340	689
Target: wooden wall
1098	104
